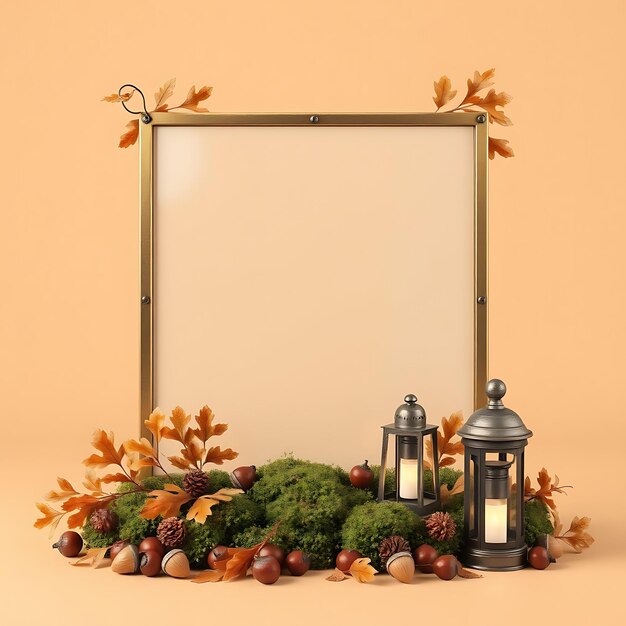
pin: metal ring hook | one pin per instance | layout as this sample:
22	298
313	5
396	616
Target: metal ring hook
146	118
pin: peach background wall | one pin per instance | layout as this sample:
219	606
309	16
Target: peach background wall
69	230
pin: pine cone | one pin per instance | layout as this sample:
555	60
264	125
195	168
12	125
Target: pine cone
440	526
392	545
104	521
171	532
195	483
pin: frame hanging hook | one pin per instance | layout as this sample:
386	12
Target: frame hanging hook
146	118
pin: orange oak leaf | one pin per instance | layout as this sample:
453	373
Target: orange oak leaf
209	576
51	517
130	137
93	557
116	97
165	502
466	573
443	92
65	491
450	426
155	423
180	421
337	576
490	103
194	98
115	478
546	490
576	537
92	482
201	508
362	571
193	452
501	147
180	463
206	429
163	94
458	487
143	446
218	456
84	505
479	82
104	442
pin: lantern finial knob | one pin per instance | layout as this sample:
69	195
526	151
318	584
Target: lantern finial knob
495	392
410	399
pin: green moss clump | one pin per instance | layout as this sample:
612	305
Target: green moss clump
536	521
368	524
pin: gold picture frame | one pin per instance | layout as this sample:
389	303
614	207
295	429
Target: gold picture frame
479	123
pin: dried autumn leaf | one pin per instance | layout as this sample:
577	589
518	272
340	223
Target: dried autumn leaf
576	535
161	96
92	482
65	491
194	98
501	147
490	102
206	429
201	508
180	463
115	478
337	576
93	557
547	488
180	421
165	502
83	505
209	576
104	443
443	92
450	426
130	137
155	423
193	452
479	82
445	494
466	573
51	517
239	563
116	97
218	456
140	447
362	571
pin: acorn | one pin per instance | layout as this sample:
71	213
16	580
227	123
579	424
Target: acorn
298	563
266	569
401	566
539	557
345	559
271	549
424	557
69	544
243	477
152	544
176	564
361	476
126	561
446	567
219	553
150	562
117	547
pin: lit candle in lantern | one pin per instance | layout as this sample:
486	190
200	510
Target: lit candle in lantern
495	520
408	479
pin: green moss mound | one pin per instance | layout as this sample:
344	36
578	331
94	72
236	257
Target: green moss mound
368	524
536	521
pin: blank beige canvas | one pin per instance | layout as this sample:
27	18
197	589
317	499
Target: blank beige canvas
307	278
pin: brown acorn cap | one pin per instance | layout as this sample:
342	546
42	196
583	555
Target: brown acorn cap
126	561
176	564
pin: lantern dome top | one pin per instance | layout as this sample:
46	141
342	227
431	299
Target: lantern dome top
410	414
495	422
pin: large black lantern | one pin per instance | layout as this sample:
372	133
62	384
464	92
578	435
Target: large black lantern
409	429
494	438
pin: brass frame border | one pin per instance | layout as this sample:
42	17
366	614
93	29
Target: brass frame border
481	134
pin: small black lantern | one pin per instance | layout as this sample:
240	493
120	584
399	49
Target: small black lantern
409	429
494	438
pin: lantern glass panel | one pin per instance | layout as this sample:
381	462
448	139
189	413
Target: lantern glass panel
473	512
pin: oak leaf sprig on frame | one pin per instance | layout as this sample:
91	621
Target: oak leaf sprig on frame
446	448
191	103
473	101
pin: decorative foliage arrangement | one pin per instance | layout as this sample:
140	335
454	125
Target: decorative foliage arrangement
475	101
133	456
294	514
190	103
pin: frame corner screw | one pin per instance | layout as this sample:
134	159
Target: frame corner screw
481	119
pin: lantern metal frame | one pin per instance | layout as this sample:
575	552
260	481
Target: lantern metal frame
494	430
420	504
